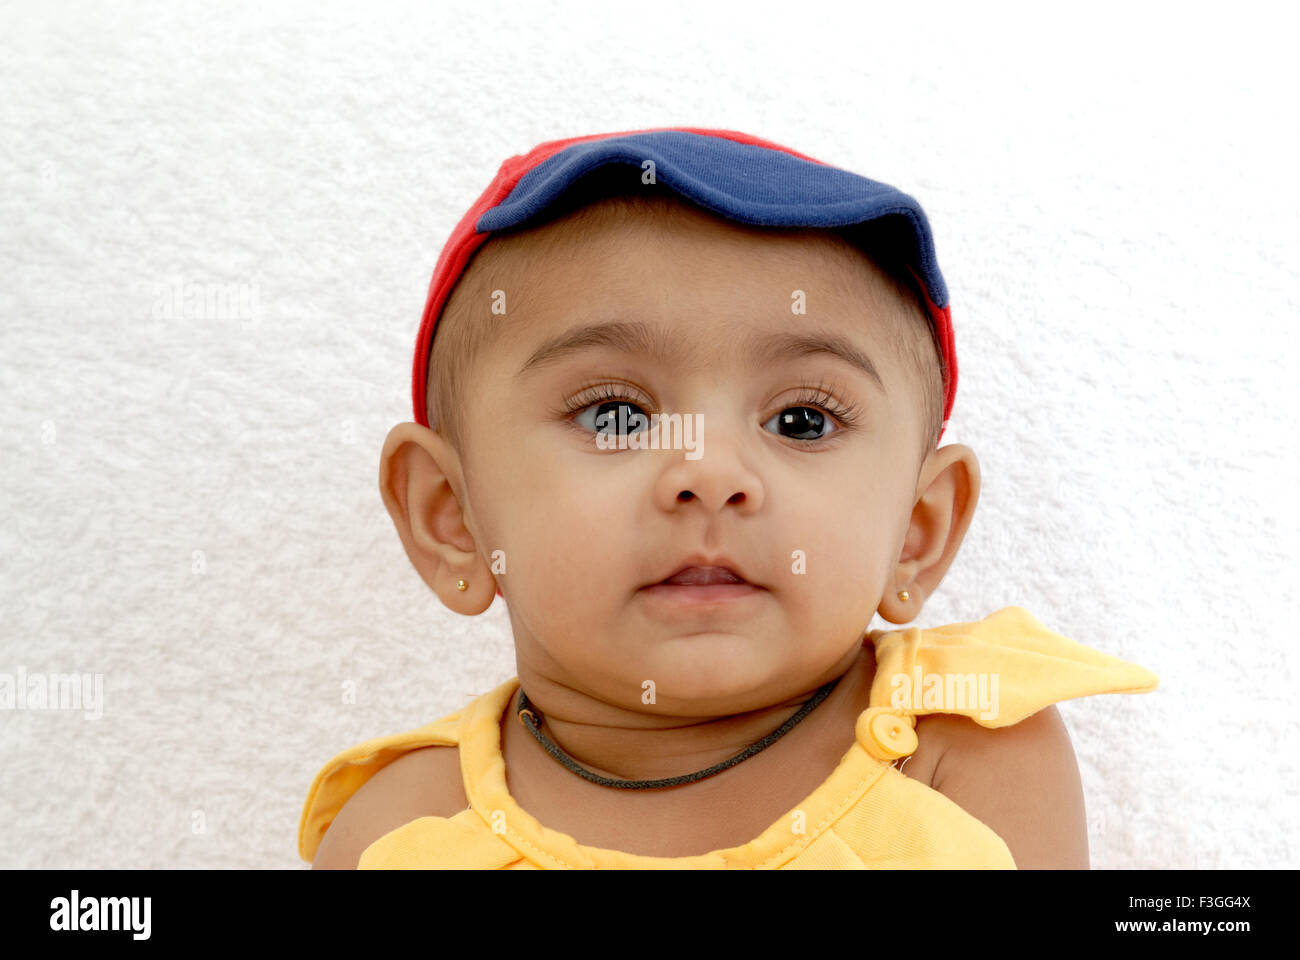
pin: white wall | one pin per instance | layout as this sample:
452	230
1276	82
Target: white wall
1114	202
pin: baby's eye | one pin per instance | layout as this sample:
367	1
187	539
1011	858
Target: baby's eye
606	417
802	423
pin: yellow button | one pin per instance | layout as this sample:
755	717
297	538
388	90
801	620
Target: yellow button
886	734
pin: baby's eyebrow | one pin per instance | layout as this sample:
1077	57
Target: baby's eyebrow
656	343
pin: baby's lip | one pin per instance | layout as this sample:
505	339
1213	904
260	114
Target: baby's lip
704	577
702	571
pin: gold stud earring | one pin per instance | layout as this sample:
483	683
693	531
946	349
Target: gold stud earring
904	595
462	585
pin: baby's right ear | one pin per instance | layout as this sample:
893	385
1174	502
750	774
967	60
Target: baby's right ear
420	480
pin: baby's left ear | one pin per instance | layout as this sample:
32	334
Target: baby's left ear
947	493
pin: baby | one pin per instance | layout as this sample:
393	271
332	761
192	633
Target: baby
683	414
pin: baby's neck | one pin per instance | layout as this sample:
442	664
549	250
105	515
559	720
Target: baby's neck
611	741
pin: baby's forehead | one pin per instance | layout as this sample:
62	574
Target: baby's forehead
666	319
602	257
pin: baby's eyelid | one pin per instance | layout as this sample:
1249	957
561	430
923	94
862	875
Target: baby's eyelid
823	403
607	393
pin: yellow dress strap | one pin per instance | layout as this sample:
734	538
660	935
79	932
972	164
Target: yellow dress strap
344	775
997	671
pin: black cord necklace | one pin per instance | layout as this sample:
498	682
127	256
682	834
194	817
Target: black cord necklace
531	718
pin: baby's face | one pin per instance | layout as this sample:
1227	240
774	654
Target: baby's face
813	510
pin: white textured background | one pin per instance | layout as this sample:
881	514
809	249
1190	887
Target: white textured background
1113	195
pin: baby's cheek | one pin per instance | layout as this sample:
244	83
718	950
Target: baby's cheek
561	559
821	549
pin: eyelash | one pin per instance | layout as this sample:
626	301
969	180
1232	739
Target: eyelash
819	396
809	395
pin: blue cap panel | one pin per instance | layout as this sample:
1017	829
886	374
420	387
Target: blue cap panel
739	181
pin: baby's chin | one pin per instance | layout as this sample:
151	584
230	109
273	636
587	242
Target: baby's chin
698	673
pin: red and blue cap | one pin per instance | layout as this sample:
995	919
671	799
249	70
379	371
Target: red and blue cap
735	175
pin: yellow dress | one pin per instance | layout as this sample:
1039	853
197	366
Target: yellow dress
865	814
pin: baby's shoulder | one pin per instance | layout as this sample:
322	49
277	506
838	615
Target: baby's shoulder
1021	780
424	782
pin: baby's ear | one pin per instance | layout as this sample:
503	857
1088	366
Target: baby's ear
947	492
419	474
